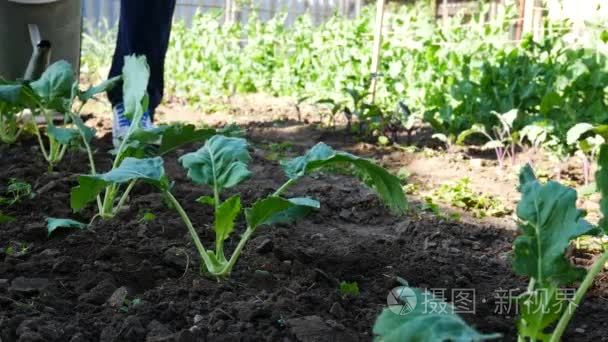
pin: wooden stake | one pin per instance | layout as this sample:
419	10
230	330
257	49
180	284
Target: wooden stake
377	46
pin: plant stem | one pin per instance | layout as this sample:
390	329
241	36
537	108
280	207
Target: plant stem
237	251
578	297
197	242
124	197
40	142
283	187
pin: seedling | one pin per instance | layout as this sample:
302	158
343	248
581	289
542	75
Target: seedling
147	217
133	159
18	191
349	288
587	145
502	139
459	194
222	163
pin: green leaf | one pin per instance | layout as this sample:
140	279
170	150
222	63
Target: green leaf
54	223
538	310
263	210
507	119
6	218
601	179
89	186
135	75
63	135
206	200
349	288
577	131
386	185
549	101
100	88
475	129
86	191
179	135
225	215
55	85
221	163
549	220
418	316
301	206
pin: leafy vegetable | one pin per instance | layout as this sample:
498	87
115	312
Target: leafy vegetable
222	163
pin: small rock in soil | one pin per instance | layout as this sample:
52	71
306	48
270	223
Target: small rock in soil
262	280
29	285
118	297
64	265
4	285
99	294
337	311
157	330
175	257
198	318
264	246
310	329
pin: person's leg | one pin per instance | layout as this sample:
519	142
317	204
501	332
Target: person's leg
144	29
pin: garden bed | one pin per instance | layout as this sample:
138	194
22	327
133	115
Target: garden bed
135	277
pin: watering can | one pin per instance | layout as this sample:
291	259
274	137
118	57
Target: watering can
35	33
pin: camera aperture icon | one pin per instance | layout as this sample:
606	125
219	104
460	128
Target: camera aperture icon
401	300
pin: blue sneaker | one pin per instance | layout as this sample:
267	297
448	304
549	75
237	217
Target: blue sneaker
121	124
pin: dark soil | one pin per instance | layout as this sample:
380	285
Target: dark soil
131	280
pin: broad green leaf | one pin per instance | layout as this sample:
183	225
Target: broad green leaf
601	179
86	191
178	135
549	220
225	215
538	310
418	316
475	129
100	88
386	185
264	209
492	144
507	119
55	85
549	101
54	223
135	75
300	208
577	131
89	186
220	163
63	135
17	96
150	169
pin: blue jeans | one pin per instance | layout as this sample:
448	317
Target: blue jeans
144	29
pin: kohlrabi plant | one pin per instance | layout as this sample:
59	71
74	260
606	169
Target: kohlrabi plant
137	156
222	163
55	92
549	221
587	144
501	139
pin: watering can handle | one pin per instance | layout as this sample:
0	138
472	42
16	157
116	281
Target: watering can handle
34	34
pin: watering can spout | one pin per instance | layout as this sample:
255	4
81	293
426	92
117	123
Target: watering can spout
41	55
